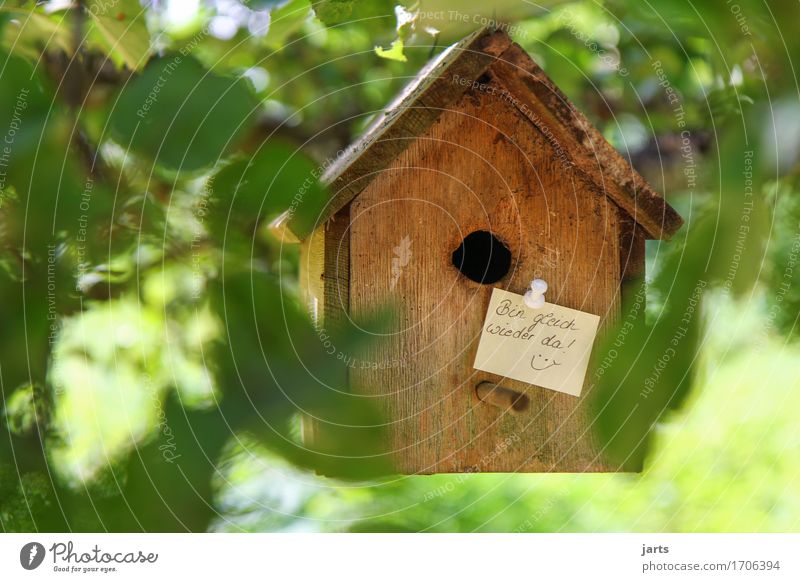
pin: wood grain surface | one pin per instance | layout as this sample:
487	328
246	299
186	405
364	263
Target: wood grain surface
482	165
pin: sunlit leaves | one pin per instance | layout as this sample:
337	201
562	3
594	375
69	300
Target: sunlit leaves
395	53
29	32
180	115
122	30
116	27
112	367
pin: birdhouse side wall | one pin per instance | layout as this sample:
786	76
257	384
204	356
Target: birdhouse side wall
324	277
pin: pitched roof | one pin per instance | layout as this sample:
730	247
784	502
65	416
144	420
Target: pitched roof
537	98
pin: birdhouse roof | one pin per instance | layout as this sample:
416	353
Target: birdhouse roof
438	87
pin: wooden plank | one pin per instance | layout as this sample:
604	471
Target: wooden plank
325	281
478	167
336	302
312	273
631	248
312	277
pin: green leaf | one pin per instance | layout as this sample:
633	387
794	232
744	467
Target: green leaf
180	115
372	14
167	484
35	160
122	31
20	408
24	105
274	365
29	32
286	20
278	177
394	54
781	274
642	369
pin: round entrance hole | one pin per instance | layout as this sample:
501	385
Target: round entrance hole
482	258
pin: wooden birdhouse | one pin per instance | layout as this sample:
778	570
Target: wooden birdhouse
480	177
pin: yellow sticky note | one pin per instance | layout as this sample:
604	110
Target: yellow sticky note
548	347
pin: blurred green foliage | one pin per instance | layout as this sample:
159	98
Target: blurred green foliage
727	466
155	356
185	117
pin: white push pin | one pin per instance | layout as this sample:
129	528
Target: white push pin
533	301
534	297
539	286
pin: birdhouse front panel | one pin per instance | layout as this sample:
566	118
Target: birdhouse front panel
479	201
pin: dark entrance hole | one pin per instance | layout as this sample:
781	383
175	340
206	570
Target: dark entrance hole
482	257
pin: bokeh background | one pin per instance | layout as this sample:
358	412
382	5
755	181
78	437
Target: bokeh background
155	354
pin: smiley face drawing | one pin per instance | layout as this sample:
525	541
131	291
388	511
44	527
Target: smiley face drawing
540	363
